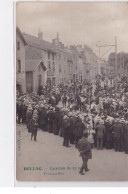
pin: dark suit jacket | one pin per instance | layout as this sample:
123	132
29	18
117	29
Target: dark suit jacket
84	148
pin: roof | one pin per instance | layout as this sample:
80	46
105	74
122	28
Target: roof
41	44
31	65
21	35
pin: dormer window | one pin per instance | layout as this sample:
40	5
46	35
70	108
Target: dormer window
18	45
19	66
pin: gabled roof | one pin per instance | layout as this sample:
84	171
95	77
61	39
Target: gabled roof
21	35
31	65
41	44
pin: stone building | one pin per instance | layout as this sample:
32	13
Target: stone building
41	50
82	66
61	62
35	75
70	65
20	62
74	52
90	62
52	63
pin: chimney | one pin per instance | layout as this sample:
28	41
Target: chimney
57	40
40	36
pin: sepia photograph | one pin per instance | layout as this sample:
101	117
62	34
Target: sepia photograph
71	68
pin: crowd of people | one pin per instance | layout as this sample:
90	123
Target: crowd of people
99	108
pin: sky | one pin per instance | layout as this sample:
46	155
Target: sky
89	23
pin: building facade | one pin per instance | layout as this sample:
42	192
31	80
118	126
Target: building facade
20	62
41	50
51	63
35	75
61	71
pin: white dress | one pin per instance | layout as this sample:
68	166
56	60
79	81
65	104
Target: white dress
90	135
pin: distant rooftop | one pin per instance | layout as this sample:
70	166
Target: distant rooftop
21	35
31	65
41	44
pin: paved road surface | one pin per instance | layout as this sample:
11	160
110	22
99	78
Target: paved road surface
48	153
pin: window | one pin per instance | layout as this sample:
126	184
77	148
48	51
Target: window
18	45
64	57
48	55
59	56
53	56
64	68
53	66
49	65
60	68
69	67
19	66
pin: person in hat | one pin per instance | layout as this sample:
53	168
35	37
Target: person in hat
117	134
56	121
50	116
66	127
71	121
28	117
78	130
108	134
100	130
34	128
91	133
19	111
62	114
84	148
64	100
23	112
43	118
125	137
35	113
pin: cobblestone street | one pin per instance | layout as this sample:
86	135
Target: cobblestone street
59	163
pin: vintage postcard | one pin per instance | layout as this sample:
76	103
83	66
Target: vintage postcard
71	91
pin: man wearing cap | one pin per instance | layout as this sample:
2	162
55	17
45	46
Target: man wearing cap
100	130
108	135
23	112
34	126
50	119
117	134
71	122
43	118
66	126
125	137
78	130
64	100
28	118
84	148
56	121
19	109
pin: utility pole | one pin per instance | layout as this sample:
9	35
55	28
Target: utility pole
124	73
99	67
101	56
116	60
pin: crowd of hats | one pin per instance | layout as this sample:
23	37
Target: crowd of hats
112	97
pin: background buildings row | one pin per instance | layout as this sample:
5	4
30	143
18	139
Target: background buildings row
39	62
